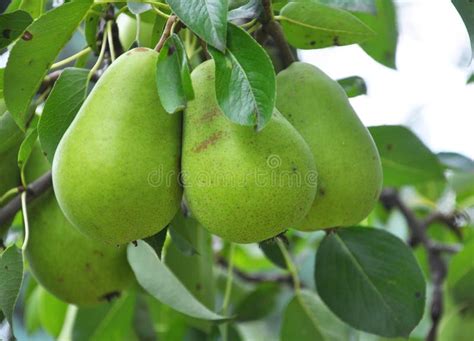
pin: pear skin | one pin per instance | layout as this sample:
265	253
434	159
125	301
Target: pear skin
74	268
349	168
242	185
115	171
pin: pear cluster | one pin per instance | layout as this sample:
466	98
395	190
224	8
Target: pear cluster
121	167
124	166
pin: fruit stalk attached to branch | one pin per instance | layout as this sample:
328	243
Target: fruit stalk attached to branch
166	32
272	28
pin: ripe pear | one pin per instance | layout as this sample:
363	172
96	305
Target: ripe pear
115	171
242	185
68	264
349	168
127	26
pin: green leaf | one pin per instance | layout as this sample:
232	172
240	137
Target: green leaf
142	320
460	279
3	107
106	321
383	46
181	242
465	8
138	7
13	6
10	134
371	280
206	18
463	184
61	107
52	312
245	80
26	148
12	26
34	53
34	7
272	251
160	282
157	241
456	161
307	318
193	267
250	10
350	5
91	23
277	5
313	26
259	303
405	159
353	86
458	325
31	316
470	79
158	26
173	78
11	277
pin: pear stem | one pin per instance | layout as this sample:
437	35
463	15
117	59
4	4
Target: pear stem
228	289
138	25
159	4
101	55
166	32
290	264
228	286
110	40
71	58
160	13
272	28
25	221
8	194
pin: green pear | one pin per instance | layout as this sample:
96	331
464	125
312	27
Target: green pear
350	173
69	265
115	171
242	185
127	26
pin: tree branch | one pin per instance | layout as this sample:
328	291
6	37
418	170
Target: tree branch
34	190
438	269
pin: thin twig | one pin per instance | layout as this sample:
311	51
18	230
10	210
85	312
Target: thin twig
438	268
